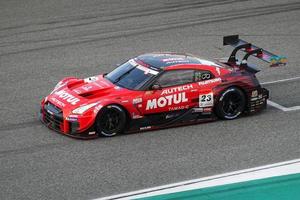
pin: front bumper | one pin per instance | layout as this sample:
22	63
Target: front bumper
53	118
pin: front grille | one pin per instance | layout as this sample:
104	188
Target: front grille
53	116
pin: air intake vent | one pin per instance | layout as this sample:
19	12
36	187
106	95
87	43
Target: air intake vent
86	95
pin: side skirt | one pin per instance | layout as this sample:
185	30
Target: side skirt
161	120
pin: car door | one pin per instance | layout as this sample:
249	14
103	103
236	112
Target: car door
177	91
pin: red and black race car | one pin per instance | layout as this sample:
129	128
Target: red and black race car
158	90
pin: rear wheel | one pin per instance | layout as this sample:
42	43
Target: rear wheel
110	121
231	103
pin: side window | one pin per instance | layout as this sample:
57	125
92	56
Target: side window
176	77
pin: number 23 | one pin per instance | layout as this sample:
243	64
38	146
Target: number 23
205	98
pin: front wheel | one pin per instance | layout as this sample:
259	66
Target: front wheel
231	103
110	121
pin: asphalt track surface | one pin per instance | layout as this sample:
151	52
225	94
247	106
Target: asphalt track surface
44	41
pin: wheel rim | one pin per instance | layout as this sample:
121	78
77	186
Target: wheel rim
110	121
232	104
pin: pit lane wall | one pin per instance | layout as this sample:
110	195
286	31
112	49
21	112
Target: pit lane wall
280	181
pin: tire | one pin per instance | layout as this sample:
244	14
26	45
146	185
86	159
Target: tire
231	104
110	121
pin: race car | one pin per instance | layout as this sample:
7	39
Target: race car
159	90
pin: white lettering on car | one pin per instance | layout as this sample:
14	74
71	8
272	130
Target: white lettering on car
58	102
215	80
146	70
166	100
137	100
178	108
68	97
177	89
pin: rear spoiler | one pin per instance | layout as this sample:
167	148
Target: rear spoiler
238	44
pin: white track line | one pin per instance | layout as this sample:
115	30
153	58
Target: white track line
280	107
282	80
276	105
267	171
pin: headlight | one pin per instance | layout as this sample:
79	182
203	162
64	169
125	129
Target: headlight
82	109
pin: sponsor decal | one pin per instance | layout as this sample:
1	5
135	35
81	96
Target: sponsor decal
254	93
278	60
205	76
172	59
169	116
206	100
58	102
136	116
145	128
175	60
133	63
90	79
71	119
198	109
74	116
178	108
166	100
145	69
207	109
215	80
92	133
87	87
137	100
177	89
68	97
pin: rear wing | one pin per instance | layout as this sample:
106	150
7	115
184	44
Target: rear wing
250	49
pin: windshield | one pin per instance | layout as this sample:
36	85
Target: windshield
131	75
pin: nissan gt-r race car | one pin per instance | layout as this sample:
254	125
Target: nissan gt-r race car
158	90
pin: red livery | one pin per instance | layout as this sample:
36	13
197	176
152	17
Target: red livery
158	90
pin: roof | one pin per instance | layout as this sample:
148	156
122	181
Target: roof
161	60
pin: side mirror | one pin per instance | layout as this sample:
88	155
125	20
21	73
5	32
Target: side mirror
156	86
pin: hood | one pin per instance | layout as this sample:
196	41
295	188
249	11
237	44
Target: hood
91	87
77	92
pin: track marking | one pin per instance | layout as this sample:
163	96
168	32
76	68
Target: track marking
284	109
266	171
276	105
282	80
